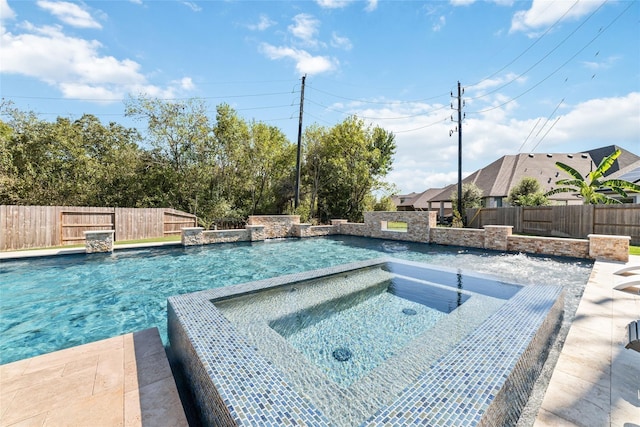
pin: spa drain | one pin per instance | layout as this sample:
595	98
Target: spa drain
409	311
342	354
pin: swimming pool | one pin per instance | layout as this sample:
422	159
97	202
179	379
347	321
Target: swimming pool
52	303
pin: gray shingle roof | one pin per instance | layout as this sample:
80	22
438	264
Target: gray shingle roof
496	179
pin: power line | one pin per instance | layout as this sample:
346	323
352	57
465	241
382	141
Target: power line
541	59
602	31
376	118
378	102
528	48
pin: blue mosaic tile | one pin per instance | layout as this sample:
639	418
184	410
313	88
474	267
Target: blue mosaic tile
485	380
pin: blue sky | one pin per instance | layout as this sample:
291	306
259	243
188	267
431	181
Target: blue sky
541	76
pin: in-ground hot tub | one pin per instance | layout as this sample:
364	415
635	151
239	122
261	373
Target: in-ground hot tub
369	343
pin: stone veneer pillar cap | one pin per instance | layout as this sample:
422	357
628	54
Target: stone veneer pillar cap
609	236
99	232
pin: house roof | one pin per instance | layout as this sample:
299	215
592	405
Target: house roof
497	179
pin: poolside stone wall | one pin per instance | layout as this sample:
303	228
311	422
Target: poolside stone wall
225	236
275	226
99	241
577	248
420	227
468	237
614	248
308	230
192	236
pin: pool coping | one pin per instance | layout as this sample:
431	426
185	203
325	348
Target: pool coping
242	386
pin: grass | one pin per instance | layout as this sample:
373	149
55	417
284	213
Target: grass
397	226
634	250
174	238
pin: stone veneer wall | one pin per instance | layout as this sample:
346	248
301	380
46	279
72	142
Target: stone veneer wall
468	237
418	225
308	230
275	226
578	248
225	236
99	241
614	248
420	228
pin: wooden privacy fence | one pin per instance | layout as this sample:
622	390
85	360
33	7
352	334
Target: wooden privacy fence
577	221
24	227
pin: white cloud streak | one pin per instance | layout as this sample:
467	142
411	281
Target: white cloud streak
305	28
339	4
76	67
427	157
544	13
305	62
6	12
341	42
70	13
263	24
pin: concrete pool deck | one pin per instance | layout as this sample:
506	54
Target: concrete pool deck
119	381
596	381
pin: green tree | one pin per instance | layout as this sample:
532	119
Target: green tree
527	193
471	198
178	133
270	159
65	162
352	159
590	189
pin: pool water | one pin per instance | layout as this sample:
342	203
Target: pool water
52	303
348	324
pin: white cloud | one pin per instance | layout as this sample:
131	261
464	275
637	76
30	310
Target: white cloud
305	62
371	5
339	4
305	28
191	5
263	23
75	66
461	2
70	13
333	4
439	24
184	83
341	42
544	13
5	11
468	2
605	64
426	156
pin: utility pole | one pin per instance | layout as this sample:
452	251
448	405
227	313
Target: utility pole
459	131
297	199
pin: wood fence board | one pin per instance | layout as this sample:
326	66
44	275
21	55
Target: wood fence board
24	227
576	221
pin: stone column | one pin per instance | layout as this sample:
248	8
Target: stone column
301	230
256	232
192	236
99	241
609	248
337	224
496	236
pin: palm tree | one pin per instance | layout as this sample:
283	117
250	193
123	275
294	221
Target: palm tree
590	190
